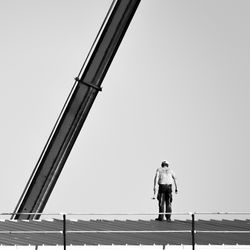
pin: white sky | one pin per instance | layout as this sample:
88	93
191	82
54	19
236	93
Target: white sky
177	90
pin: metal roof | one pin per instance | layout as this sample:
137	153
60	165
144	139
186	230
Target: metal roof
124	232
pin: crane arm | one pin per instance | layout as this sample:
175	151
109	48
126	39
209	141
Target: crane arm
75	111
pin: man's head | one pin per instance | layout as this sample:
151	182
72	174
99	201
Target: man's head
164	164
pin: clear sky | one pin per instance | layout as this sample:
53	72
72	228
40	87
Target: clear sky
177	90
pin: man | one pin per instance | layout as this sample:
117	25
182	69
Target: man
164	177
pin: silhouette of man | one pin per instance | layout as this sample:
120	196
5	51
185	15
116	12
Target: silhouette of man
164	177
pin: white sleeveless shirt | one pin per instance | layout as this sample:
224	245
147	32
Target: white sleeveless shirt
166	175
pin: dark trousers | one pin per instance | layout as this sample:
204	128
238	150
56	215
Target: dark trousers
165	199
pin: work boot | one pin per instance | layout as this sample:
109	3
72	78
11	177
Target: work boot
159	219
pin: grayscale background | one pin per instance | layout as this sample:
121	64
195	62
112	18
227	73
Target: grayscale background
177	90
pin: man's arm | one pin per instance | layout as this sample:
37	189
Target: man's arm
155	181
175	183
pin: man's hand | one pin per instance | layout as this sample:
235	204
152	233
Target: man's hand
154	196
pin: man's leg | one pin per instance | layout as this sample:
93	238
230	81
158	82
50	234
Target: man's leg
168	210
161	202
169	203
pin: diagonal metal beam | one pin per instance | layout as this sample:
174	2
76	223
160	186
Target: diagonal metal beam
75	110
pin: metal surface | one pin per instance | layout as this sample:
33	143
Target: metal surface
64	232
193	232
129	232
76	109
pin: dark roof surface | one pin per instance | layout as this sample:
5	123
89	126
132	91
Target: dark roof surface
118	232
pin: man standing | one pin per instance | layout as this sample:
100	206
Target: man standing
164	177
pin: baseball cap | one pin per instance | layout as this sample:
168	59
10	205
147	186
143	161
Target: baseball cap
165	163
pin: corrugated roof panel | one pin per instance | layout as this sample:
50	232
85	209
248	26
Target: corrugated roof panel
84	232
222	238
